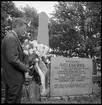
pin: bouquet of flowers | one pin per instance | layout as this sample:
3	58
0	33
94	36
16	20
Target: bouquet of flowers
39	56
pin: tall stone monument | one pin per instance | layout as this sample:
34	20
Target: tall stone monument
43	36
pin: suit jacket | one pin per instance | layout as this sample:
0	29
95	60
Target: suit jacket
12	60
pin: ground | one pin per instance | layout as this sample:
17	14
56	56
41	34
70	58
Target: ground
94	98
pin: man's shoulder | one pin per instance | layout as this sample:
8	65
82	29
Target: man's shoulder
10	35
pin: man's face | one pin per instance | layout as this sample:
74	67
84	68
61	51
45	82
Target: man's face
22	30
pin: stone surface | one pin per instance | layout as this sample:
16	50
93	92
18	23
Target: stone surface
71	98
23	92
31	92
93	96
96	78
55	98
65	98
43	36
96	89
43	99
70	76
77	99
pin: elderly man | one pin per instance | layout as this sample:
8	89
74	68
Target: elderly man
13	64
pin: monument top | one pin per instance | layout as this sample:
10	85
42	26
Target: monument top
43	17
43	13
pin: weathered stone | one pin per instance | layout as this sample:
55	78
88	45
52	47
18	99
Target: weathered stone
43	98
71	98
65	79
93	96
74	102
78	98
96	88
65	98
55	99
96	78
43	36
86	97
68	98
24	92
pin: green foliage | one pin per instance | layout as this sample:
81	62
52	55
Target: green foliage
75	29
31	16
8	9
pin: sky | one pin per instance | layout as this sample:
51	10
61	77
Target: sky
40	6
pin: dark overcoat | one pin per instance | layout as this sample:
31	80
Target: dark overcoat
12	60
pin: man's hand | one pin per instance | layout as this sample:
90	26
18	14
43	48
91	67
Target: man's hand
27	76
27	68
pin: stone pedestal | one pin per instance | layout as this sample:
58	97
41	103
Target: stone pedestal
32	91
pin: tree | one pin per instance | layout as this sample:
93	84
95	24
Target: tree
65	19
79	25
31	16
8	10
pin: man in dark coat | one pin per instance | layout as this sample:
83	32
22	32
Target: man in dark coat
13	65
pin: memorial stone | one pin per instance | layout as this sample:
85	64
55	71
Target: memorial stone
43	36
70	76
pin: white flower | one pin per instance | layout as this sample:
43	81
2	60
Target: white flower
35	45
54	55
37	52
46	47
26	40
42	45
27	46
44	55
26	52
39	49
30	42
34	42
49	62
50	50
31	51
34	49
